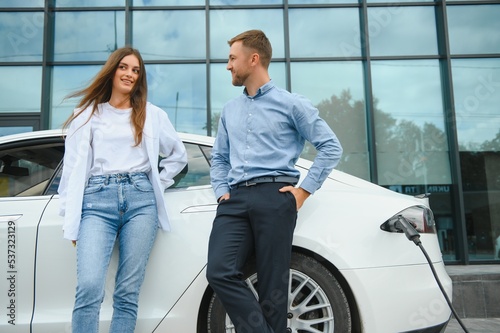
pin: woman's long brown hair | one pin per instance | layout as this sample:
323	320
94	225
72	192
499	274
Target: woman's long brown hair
99	91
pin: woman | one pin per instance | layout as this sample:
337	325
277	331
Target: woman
111	187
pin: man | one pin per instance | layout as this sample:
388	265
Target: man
260	137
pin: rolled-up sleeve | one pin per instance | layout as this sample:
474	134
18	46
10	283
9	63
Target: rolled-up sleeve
315	130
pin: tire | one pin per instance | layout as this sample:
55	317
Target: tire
311	282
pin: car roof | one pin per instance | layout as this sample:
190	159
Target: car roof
194	138
338	176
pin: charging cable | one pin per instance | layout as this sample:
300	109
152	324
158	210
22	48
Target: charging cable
403	225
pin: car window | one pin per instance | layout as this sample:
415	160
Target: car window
26	171
197	171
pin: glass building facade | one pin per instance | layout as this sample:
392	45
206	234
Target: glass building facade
412	88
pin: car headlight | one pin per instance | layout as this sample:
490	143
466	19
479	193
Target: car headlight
420	217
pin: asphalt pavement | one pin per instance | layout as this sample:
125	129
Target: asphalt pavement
474	325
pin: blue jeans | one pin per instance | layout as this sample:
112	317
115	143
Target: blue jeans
115	207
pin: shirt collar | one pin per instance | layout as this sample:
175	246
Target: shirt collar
262	90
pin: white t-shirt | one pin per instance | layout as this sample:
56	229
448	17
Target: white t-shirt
113	143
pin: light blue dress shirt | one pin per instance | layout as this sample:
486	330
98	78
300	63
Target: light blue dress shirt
264	135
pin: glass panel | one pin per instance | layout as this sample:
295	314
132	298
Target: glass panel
22	37
26	171
474	29
402	31
410	135
412	145
168	2
476	85
197	172
89	3
24	3
336	89
13	125
67	80
310	2
14	130
225	24
87	35
222	90
384	1
244	2
322	32
181	34
181	91
22	94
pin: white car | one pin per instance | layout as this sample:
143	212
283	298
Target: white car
347	273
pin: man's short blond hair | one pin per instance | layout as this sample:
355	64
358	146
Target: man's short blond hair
256	40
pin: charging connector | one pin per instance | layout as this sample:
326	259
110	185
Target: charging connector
401	224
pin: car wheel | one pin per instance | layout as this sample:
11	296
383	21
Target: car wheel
316	300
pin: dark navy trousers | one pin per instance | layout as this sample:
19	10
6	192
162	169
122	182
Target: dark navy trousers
256	220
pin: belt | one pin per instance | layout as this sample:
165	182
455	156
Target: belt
268	179
116	178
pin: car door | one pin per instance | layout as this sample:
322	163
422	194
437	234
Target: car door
177	257
180	256
25	169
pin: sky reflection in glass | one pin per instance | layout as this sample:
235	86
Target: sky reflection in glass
88	35
225	24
